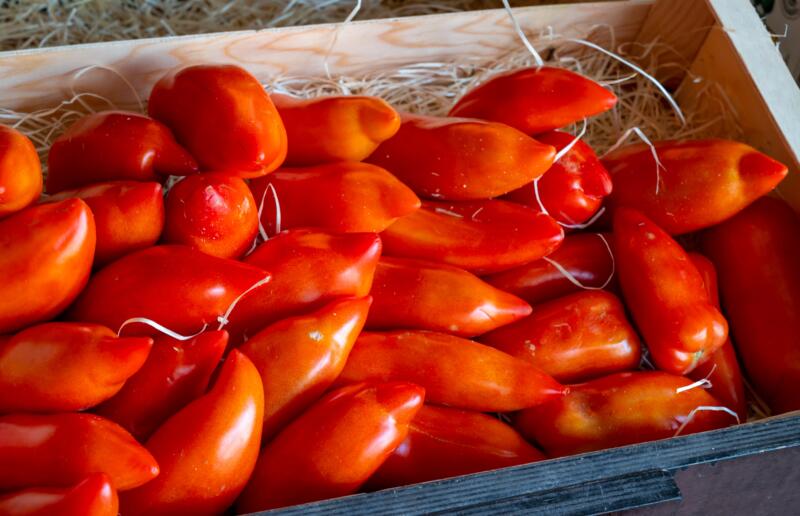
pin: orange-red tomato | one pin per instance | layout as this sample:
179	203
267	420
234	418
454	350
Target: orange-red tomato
46	255
620	409
223	116
445	442
212	212
573	338
573	189
722	368
343	197
112	146
459	159
454	371
94	496
176	372
207	450
60	450
757	253
309	269
361	425
666	295
535	100
432	296
479	236
337	128
20	171
586	257
300	357
55	367
173	285
702	182
128	216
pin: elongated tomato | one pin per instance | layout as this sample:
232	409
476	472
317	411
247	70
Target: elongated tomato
337	128
94	496
430	296
459	159
573	338
702	182
620	409
535	100
20	171
479	236
584	260
343	197
46	254
454	371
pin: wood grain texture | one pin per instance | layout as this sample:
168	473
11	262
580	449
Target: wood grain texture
679	27
744	62
37	78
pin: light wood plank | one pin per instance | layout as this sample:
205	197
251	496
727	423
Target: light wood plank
679	27
37	78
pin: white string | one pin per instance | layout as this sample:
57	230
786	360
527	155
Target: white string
223	319
162	329
261	230
449	213
646	140
82	71
644	74
277	208
705	408
574	280
704	382
536	57
568	147
587	223
339	26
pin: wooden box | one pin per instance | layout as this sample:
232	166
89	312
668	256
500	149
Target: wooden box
747	468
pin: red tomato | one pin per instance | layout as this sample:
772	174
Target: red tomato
343	197
60	450
20	171
479	236
207	450
620	409
702	182
46	255
128	216
328	129
172	285
212	212
56	367
460	159
535	100
586	257
757	254
362	425
115	145
573	189
722	368
223	116
176	373
665	294
300	357
94	496
309	269
433	296
573	338
444	442
454	371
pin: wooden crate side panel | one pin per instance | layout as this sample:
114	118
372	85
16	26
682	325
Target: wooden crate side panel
740	57
38	78
679	27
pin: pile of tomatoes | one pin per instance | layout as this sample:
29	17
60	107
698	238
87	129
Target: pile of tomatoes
196	349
